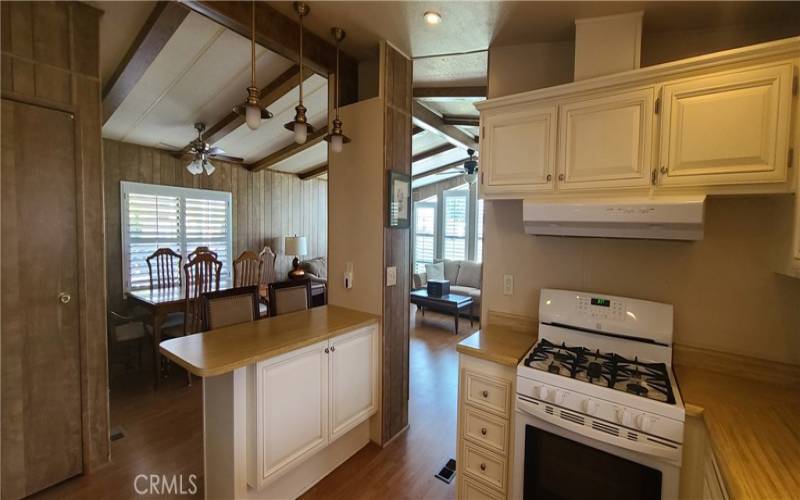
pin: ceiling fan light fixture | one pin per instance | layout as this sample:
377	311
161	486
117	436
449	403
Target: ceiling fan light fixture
194	167
208	167
432	17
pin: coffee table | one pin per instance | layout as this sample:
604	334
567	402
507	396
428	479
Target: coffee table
452	303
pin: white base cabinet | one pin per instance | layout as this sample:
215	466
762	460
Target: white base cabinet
303	400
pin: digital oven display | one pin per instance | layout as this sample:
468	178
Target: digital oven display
601	302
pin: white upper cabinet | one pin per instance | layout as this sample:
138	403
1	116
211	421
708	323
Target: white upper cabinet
518	150
291	417
353	388
605	142
727	129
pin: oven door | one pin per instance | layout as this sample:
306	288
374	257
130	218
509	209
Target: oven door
553	462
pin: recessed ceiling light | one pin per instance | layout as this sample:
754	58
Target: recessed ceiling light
432	17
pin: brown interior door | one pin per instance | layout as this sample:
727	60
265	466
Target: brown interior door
41	392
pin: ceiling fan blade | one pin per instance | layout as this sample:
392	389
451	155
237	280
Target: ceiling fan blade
234	159
216	151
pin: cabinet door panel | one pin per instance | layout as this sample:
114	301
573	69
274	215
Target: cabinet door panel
352	380
292	409
605	142
727	129
519	151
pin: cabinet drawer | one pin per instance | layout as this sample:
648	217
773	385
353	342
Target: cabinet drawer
469	489
486	430
489	393
485	466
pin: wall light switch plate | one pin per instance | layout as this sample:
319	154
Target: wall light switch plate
391	276
508	284
348	275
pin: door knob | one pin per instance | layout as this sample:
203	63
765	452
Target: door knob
664	169
483	466
333	348
485	394
561	177
483	431
64	297
549	177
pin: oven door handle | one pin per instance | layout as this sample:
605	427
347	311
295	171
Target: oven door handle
530	409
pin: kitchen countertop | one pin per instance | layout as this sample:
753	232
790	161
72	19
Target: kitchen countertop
499	344
225	349
754	428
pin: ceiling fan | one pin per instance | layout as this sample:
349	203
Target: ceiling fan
200	152
469	168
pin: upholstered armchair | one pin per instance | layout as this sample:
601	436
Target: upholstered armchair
316	269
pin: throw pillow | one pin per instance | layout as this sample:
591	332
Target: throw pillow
469	274
435	271
451	270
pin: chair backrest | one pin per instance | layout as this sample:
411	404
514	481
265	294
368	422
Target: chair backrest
289	296
201	275
267	257
164	266
247	269
197	251
229	307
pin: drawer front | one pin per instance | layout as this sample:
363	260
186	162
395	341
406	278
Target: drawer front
469	489
484	466
488	393
485	429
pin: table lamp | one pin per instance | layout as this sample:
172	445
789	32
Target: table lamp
297	246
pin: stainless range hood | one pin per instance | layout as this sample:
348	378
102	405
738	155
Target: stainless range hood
662	218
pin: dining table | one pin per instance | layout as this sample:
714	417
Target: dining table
159	303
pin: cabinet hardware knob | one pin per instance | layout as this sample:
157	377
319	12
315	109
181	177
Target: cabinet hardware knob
64	297
333	348
327	350
561	177
549	177
663	169
483	431
483	466
485	394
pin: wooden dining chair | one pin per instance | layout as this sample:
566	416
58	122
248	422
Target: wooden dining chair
197	251
247	269
289	296
201	275
267	257
229	307
164	266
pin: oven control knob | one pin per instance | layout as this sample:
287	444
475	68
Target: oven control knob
623	416
541	392
590	406
644	422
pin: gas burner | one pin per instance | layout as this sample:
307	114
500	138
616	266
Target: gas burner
648	380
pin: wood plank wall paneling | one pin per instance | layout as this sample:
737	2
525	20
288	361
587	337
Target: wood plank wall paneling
396	78
50	58
266	205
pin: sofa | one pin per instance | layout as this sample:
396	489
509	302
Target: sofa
316	269
464	277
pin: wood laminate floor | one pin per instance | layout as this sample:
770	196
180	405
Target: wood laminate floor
163	432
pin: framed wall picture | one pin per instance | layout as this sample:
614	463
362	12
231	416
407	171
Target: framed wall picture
399	209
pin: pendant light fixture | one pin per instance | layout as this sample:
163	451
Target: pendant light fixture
300	125
251	109
336	138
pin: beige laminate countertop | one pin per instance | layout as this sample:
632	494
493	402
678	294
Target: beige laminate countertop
754	428
499	344
225	349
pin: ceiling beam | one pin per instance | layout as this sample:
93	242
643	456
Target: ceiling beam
281	34
439	170
469	121
273	91
450	92
288	151
416	130
163	22
432	152
313	173
427	119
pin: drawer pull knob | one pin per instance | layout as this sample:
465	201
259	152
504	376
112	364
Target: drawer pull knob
483	466
485	394
483	431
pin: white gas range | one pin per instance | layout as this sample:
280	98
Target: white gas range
599	414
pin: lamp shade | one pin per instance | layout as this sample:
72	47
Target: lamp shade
295	245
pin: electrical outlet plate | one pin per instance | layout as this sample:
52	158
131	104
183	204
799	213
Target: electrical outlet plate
391	276
508	284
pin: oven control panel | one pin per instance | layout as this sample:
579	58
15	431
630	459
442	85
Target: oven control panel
600	308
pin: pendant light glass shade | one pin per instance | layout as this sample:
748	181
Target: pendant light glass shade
335	137
209	167
300	125
252	110
195	167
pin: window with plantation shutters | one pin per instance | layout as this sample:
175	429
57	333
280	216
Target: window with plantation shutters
178	218
455	224
424	233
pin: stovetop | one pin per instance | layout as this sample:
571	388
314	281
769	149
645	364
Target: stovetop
605	369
